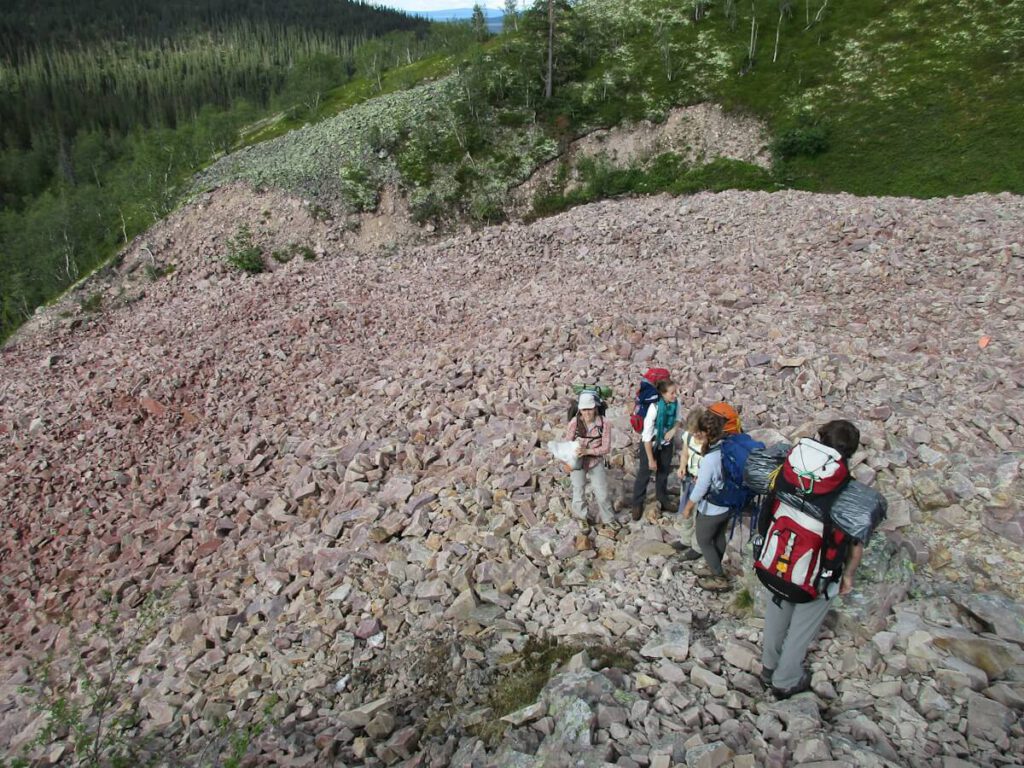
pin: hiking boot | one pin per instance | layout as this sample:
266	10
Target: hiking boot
801	687
637	512
715	584
666	505
699	568
766	676
690	554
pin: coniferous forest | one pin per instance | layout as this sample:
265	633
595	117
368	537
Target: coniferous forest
106	106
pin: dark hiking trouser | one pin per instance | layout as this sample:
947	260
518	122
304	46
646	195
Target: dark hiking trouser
711	534
663	458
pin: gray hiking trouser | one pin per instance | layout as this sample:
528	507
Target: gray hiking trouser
788	629
598	477
711	532
686	525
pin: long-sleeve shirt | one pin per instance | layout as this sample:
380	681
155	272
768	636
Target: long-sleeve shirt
709	478
650	430
650	423
597	439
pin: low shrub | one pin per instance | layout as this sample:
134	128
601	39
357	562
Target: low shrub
243	254
92	303
807	138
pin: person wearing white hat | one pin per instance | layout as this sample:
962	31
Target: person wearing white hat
593	435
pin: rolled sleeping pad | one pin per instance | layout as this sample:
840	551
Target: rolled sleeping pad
857	511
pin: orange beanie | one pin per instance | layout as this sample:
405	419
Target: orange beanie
732	419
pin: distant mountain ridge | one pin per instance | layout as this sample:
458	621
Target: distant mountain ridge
494	16
459	14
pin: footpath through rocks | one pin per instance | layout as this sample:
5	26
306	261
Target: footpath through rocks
312	508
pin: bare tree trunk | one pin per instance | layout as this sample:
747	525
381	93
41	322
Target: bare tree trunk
753	34
778	29
70	268
730	13
666	49
817	16
551	49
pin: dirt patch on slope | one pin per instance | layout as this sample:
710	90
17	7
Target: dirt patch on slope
698	133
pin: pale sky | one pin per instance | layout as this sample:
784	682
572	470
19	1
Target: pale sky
438	5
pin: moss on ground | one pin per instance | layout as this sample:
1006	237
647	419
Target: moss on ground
527	672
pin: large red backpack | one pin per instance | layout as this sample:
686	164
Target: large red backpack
803	552
646	395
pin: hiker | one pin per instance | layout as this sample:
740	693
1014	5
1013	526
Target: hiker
712	523
593	434
689	463
815	523
656	447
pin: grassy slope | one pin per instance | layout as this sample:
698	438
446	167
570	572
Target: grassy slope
921	97
918	97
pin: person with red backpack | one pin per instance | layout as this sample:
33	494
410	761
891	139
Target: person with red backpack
815	522
654	417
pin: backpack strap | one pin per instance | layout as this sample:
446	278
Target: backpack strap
831	568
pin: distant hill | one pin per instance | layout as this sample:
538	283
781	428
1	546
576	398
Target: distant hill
494	17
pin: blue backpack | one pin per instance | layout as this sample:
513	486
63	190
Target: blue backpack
734	494
646	396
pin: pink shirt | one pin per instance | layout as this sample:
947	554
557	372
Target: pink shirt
597	439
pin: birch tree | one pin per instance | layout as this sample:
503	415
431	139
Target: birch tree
510	21
479	23
785	12
548	84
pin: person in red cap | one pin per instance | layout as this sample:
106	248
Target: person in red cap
656	446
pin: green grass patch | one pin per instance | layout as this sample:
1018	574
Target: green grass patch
284	255
919	98
243	254
528	671
155	272
92	303
667	173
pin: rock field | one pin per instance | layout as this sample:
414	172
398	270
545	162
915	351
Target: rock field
329	480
